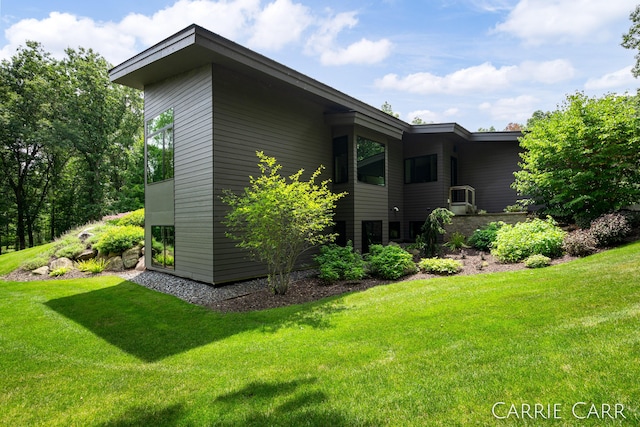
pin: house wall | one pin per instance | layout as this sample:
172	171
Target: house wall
421	198
251	116
489	168
187	200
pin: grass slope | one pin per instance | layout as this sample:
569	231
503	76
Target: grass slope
106	352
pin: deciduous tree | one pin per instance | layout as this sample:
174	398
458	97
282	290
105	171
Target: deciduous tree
278	218
583	160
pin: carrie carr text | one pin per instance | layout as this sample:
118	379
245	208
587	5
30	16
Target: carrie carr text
558	411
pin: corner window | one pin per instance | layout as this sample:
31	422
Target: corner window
163	246
371	161
159	147
394	230
421	169
340	160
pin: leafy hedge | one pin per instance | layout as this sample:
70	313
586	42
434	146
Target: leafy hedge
118	239
340	263
390	262
133	218
483	238
440	265
514	243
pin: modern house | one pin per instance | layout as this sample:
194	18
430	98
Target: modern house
210	104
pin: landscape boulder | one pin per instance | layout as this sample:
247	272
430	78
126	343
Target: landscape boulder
87	254
130	257
61	263
42	271
114	264
141	266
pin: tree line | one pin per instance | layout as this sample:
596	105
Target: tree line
72	144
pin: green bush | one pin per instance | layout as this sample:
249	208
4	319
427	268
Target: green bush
95	265
390	262
118	239
340	263
537	261
59	271
580	243
35	262
484	237
71	250
456	241
610	228
133	218
440	265
514	243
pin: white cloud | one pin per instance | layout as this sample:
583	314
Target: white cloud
324	43
280	22
271	27
621	79
540	21
517	110
480	78
361	52
429	116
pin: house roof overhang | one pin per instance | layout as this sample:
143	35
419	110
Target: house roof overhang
457	133
195	46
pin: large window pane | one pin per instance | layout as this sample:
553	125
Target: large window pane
159	144
421	169
340	160
371	161
163	246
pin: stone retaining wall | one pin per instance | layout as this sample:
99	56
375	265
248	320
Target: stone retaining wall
467	224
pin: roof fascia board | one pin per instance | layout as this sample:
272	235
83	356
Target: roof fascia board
355	118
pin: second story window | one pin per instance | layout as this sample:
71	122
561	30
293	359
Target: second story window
159	147
371	161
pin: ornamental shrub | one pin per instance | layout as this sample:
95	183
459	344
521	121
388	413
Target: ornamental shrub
514	243
36	262
94	265
390	262
440	265
580	243
118	239
339	263
610	228
71	250
483	237
133	218
59	271
537	261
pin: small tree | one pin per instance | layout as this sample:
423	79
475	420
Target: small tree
432	228
277	219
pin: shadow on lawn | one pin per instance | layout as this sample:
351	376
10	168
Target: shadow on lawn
151	325
290	403
144	416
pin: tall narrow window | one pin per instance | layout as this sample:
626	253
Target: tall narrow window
340	159
421	169
163	246
371	161
159	147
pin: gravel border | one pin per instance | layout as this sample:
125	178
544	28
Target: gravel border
200	293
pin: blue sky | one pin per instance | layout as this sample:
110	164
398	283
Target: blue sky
480	63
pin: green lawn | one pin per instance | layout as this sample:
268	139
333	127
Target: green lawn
106	352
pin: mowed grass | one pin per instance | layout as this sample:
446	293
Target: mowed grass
106	352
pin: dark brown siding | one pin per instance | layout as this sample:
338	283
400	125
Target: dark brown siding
250	117
489	168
